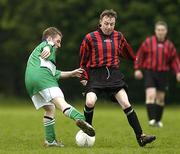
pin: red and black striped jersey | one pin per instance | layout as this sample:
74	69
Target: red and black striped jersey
100	50
157	56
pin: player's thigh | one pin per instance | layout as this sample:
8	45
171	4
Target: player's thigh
162	81
55	96
122	99
39	101
149	79
60	103
50	93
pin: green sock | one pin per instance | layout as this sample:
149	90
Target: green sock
74	114
49	130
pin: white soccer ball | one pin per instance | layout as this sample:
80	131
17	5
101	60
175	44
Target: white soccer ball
84	140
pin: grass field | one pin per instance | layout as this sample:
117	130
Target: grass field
21	131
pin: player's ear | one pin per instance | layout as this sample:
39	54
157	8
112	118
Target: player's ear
100	23
49	39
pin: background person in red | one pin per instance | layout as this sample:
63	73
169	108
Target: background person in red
99	57
156	56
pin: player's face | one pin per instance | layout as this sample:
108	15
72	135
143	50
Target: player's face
161	32
57	41
107	24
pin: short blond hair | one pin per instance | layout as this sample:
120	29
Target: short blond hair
160	22
51	31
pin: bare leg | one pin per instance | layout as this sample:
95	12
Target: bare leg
142	139
74	114
89	107
122	99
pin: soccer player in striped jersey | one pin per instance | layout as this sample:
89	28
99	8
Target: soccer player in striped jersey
156	56
41	79
99	57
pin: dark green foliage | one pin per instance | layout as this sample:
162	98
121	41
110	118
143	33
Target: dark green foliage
22	23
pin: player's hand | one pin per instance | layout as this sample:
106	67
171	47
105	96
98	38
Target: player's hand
138	74
77	72
84	82
178	77
45	53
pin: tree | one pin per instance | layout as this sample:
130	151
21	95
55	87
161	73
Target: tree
22	23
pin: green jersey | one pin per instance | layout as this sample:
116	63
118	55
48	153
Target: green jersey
41	73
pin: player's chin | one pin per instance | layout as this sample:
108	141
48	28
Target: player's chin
56	47
108	33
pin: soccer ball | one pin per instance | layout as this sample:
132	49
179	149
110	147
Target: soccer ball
84	140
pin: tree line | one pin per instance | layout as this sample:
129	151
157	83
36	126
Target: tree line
22	24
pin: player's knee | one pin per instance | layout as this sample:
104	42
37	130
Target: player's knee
125	105
90	101
150	98
50	110
90	104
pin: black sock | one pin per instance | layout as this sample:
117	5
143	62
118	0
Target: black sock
88	113
151	110
133	121
159	111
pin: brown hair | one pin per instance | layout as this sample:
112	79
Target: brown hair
51	31
109	13
163	23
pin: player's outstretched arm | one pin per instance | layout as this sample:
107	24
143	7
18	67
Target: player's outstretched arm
74	73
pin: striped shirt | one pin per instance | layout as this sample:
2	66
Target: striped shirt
157	56
100	50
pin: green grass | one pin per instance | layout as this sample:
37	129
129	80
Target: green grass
21	131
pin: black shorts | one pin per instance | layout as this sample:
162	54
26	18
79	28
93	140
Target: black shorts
159	80
105	80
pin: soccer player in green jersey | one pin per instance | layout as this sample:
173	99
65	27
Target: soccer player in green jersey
41	79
